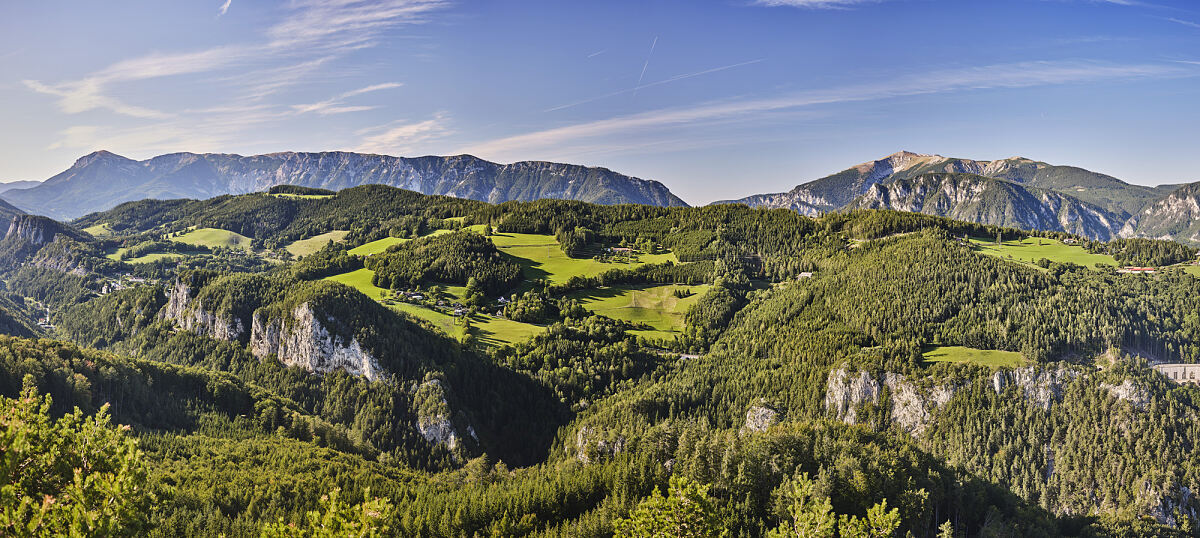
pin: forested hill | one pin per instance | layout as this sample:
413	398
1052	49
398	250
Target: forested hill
436	366
102	180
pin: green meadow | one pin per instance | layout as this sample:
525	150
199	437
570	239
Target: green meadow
304	247
1031	249
656	306
541	258
99	230
983	357
491	331
380	245
214	238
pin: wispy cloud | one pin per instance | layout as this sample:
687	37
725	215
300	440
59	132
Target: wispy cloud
402	138
336	104
815	4
1015	75
597	53
675	78
309	36
1185	23
224	8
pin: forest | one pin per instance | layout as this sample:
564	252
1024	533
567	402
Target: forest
782	387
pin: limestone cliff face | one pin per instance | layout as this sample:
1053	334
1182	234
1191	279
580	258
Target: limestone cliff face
435	418
304	341
190	314
1040	386
36	230
912	407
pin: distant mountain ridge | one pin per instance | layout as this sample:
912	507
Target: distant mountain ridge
102	180
1016	192
976	198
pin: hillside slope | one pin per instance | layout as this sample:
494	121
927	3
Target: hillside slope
102	180
1175	216
1115	199
985	200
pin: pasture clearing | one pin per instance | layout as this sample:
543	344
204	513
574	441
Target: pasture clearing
304	247
656	306
1031	249
992	358
214	238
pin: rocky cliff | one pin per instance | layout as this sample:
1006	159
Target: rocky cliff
985	200
190	314
302	340
1176	216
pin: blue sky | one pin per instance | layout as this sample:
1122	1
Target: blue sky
715	99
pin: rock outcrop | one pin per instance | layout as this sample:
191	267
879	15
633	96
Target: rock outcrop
434	415
911	408
759	418
1042	386
302	340
191	315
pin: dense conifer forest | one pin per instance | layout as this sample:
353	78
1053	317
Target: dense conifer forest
442	368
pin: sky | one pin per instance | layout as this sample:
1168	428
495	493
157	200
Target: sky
716	99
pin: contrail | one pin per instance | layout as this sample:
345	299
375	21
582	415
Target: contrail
675	78
645	65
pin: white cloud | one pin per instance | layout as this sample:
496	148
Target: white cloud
1185	23
403	138
323	29
335	104
815	4
224	8
1017	75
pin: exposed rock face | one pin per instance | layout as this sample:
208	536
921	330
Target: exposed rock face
1176	216
846	391
102	180
1178	501
588	449
1128	391
1045	196
911	407
303	341
190	315
1041	386
759	418
434	420
975	198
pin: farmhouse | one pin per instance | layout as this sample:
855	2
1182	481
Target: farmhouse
625	250
1180	373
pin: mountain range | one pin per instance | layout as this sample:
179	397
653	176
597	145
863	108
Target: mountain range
1016	192
102	180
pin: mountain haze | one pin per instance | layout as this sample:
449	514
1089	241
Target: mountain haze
103	179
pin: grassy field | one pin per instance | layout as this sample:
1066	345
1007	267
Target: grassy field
655	306
1193	270
983	357
1028	251
491	331
99	230
214	238
304	247
380	245
146	258
541	258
